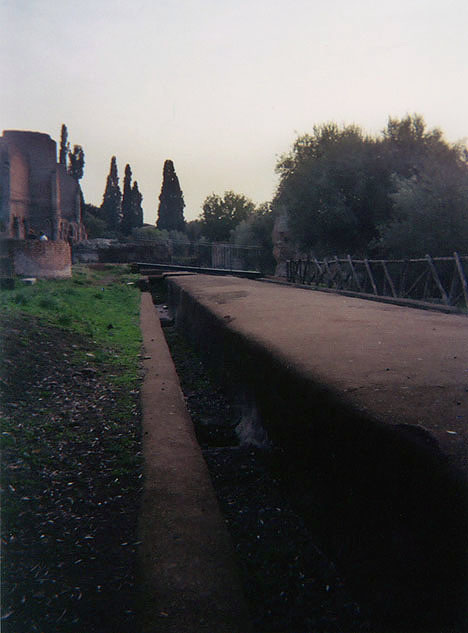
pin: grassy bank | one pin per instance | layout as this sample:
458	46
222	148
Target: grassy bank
102	304
71	461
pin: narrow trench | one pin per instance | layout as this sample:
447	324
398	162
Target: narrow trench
288	582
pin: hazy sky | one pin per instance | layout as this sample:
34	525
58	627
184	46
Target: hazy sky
223	87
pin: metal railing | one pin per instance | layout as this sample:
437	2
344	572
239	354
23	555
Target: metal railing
441	280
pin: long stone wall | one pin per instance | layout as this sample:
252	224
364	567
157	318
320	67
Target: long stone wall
382	482
35	258
104	251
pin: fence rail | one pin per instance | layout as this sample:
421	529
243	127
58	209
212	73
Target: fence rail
441	280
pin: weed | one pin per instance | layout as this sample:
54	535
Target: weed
20	299
65	321
49	303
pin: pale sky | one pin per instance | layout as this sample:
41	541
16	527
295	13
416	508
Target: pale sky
223	87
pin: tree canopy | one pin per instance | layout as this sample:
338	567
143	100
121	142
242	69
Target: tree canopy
221	214
257	230
347	192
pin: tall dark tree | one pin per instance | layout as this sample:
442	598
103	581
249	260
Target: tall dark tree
111	207
64	145
127	224
132	212
76	162
137	210
171	201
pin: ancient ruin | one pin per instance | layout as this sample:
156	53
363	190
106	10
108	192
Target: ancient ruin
37	195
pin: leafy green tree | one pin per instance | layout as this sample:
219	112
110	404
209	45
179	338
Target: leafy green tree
95	225
150	233
193	230
257	230
171	201
428	191
220	215
430	213
409	145
111	207
64	145
333	185
76	162
346	192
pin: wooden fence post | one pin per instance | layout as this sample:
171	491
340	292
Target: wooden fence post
371	277
389	279
445	298
355	277
462	277
342	280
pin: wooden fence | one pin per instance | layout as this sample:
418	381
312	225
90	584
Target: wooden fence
440	280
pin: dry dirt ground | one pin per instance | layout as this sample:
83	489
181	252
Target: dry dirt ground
71	480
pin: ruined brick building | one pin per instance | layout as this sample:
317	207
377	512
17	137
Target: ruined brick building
36	193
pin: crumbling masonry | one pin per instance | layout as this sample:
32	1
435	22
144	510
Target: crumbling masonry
37	195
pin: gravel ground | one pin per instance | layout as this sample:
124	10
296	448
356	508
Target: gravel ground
71	479
289	584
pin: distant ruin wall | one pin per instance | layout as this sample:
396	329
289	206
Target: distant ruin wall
35	258
104	251
125	253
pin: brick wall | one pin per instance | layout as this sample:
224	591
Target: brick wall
34	258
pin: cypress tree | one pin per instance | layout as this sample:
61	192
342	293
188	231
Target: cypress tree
171	201
64	145
137	211
76	162
127	207
111	207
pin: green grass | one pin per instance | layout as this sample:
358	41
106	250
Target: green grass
101	304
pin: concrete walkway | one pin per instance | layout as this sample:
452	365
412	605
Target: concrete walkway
190	583
401	365
368	403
